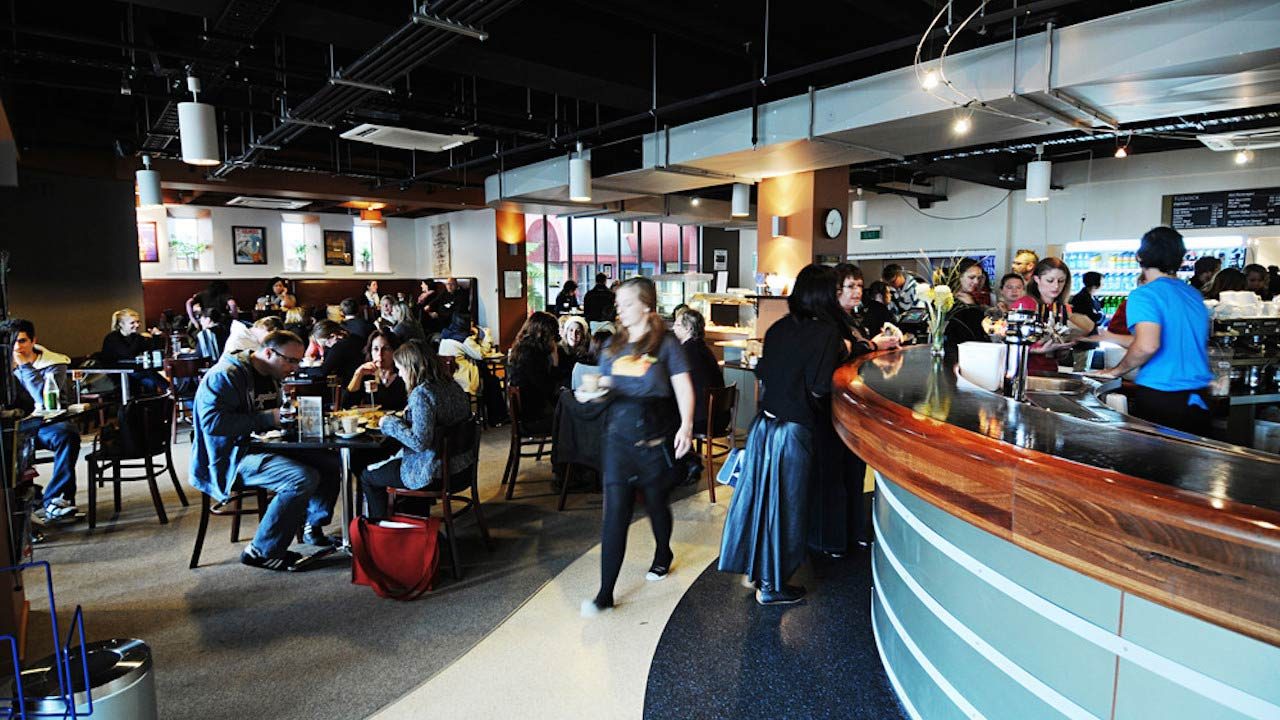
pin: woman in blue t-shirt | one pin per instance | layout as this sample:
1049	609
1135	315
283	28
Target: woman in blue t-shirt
1169	340
649	426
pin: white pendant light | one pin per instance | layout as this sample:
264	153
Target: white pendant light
628	227
579	177
741	206
198	128
1038	172
858	212
149	195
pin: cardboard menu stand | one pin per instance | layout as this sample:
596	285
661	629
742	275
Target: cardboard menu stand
311	417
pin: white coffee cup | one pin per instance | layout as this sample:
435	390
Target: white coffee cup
350	424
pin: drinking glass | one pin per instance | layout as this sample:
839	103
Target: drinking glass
371	387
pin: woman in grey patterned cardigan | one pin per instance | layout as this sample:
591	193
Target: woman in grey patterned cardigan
435	401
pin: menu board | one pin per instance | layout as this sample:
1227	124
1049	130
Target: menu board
1224	209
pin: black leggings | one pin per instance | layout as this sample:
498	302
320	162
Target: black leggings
619	502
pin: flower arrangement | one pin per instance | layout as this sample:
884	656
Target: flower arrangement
187	247
938	302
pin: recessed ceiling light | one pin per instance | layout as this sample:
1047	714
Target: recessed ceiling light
1243	157
696	202
1122	152
930	80
962	125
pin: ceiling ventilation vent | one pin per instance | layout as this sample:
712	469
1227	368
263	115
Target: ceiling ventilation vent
1259	139
406	139
268	203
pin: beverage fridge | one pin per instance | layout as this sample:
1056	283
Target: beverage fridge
1117	261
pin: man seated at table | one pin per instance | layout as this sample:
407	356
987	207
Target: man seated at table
353	321
31	365
239	396
342	351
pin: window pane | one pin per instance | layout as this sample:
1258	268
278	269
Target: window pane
689	250
650	241
362	245
584	253
629	263
606	248
294	243
536	261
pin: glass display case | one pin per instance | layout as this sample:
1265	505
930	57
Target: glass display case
676	289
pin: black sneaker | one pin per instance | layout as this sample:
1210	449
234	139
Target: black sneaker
251	558
313	535
786	595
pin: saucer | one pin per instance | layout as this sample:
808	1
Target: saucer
584	396
348	436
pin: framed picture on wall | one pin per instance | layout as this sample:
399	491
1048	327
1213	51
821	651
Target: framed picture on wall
441	250
607	269
337	248
148	246
249	245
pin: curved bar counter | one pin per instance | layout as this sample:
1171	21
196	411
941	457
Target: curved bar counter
1033	564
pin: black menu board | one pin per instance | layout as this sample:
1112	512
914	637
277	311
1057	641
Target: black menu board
1223	209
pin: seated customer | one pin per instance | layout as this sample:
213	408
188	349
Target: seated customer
239	396
343	352
126	342
390	393
353	321
215	328
704	373
466	343
535	370
250	337
575	340
32	364
435	401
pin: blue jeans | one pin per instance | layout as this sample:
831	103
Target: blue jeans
305	487
64	441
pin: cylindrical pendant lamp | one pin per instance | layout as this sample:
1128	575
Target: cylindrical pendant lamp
149	195
198	127
579	177
858	212
1038	172
741	206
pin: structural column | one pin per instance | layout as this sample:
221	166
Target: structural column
801	201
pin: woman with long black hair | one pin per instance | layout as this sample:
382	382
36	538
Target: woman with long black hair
765	531
649	425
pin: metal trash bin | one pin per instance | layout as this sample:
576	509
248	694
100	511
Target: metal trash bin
120	676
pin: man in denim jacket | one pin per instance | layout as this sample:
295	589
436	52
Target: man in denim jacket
240	396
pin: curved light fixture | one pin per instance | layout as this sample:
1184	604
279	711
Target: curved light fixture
1038	172
149	195
198	128
858	212
579	177
741	206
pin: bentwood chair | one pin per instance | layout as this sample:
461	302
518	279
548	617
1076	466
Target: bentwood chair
722	419
184	376
232	507
142	434
521	438
459	438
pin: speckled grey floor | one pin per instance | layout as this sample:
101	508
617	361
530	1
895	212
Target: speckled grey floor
724	656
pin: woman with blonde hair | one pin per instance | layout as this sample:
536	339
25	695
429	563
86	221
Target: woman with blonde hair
435	401
126	341
648	427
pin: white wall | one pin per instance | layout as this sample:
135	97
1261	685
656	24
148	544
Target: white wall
473	239
400	231
747	258
1120	199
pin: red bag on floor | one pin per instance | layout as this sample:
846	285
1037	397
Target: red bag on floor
397	557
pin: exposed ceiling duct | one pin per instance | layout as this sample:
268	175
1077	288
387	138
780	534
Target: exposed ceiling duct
381	66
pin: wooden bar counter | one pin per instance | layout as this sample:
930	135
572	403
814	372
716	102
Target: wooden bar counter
1033	564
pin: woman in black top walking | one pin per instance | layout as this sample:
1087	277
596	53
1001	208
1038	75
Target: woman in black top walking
649	426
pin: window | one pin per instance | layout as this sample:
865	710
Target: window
294	242
188	251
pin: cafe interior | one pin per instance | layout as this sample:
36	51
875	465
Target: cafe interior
434	195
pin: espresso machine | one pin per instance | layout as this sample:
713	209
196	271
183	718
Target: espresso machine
1255	352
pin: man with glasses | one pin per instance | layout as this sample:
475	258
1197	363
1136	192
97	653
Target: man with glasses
239	396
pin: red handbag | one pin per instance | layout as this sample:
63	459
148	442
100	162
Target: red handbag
396	557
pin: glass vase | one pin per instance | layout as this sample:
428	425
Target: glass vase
937	338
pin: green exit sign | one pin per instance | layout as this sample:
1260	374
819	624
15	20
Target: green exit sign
870	234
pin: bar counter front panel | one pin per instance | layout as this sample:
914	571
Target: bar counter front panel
1030	565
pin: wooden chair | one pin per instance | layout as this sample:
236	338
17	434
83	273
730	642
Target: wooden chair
520	439
143	435
721	403
464	435
184	369
232	507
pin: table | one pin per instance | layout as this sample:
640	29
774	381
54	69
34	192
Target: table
122	371
367	441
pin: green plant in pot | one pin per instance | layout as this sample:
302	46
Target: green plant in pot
187	251
366	258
